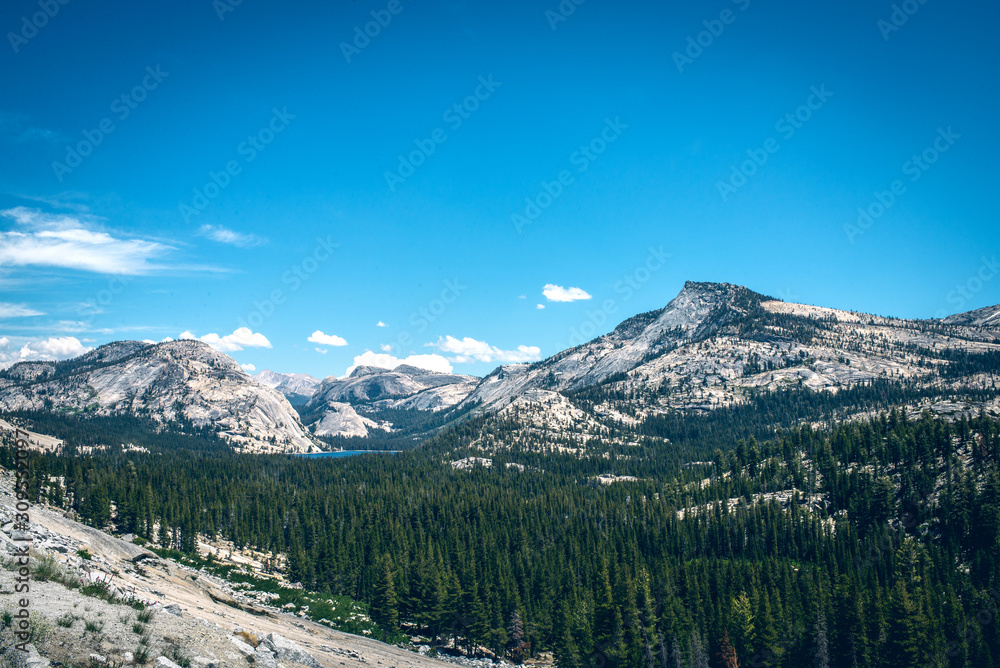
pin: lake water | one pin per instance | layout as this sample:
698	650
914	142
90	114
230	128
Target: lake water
348	453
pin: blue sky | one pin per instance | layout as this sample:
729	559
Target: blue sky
261	174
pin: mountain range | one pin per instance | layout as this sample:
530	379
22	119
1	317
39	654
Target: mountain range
715	345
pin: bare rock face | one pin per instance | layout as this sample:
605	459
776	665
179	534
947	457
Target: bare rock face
988	317
178	380
340	419
297	387
334	408
716	342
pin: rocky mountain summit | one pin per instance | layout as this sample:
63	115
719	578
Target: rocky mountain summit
715	345
177	381
714	340
337	408
298	388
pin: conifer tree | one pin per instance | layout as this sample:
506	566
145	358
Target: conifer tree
384	609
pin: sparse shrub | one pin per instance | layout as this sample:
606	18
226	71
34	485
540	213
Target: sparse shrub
138	628
141	655
84	553
179	657
93	626
45	569
66	621
39	630
146	615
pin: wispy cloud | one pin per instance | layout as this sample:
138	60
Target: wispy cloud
74	242
8	310
557	293
63	200
226	236
18	128
467	350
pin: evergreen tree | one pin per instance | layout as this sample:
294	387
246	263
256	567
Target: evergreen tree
384	609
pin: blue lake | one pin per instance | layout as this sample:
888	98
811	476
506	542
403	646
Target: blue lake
348	453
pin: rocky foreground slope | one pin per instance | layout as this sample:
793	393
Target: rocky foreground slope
167	382
195	618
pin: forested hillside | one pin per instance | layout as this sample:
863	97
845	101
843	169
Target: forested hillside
875	543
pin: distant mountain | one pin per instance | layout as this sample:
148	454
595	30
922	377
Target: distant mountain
718	345
164	383
298	388
334	408
985	317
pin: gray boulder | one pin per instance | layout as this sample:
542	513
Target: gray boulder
164	662
263	657
289	650
173	609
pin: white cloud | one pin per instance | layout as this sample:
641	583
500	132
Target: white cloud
226	236
470	350
248	367
241	337
326	339
522	296
321	351
52	348
383	361
70	242
381	324
386	347
539	306
557	293
8	310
